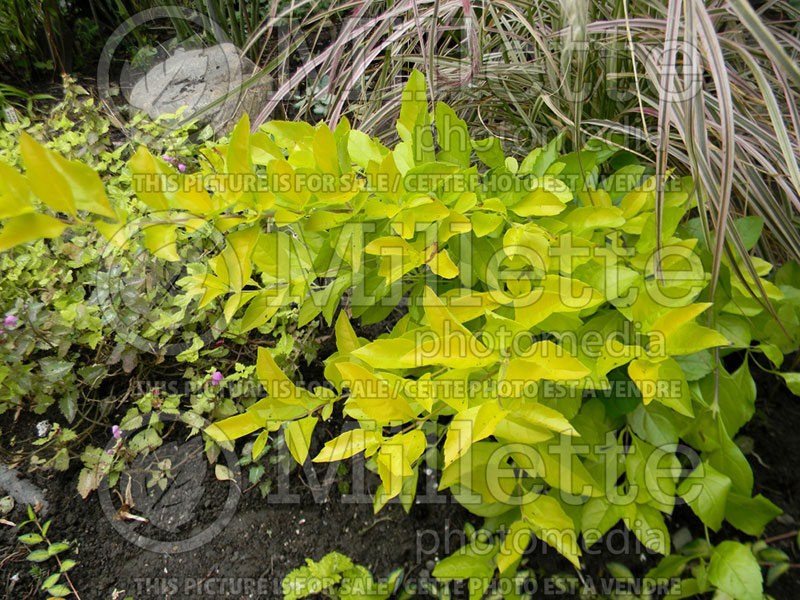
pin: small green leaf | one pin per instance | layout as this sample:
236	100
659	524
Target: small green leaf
514	544
706	492
599	515
30	538
160	240
649	527
735	571
490	152
619	571
729	460
38	556
59	591
362	149
654	423
750	515
331	564
262	308
54	549
462	566
298	437
260	444
233	427
773	555
551	524
453	136
347	444
255	474
50	581
776	571
67	564
663	381
792	382
749	229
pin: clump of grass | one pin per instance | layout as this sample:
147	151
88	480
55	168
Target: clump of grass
718	99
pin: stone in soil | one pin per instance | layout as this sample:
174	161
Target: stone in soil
196	78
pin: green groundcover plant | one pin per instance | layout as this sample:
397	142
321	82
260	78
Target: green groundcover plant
562	367
335	576
59	299
91	329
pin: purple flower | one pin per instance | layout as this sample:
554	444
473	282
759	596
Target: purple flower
116	431
169	158
10	321
216	378
181	167
110	451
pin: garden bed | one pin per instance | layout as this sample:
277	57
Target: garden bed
265	540
183	306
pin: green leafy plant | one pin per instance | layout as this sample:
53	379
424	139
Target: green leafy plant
335	576
67	333
252	457
11	96
555	344
34	35
41	550
683	82
697	568
143	426
316	97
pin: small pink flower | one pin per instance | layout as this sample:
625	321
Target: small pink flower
169	159
10	321
216	378
110	451
116	431
181	167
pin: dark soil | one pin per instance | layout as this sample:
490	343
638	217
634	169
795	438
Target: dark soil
305	515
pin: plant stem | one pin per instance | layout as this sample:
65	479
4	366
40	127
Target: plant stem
772	564
783	536
58	560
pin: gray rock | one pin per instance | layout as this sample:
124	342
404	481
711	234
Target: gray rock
195	78
22	490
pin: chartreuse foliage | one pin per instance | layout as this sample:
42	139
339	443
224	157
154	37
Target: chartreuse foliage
552	356
335	576
83	313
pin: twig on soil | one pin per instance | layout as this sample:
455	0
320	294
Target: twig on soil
758	458
208	575
371	525
10	557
